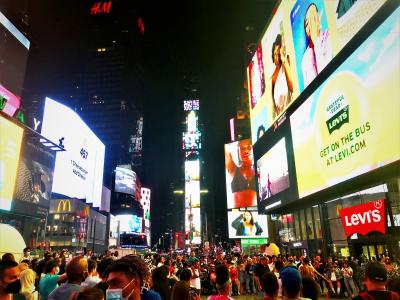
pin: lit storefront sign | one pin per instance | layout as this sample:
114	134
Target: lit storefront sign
364	218
64	206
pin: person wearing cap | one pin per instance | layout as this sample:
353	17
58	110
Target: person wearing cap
375	280
291	283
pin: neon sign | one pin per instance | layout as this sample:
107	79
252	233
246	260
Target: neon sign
101	7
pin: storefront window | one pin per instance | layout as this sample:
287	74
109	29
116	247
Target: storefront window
333	209
310	226
303	225
317	222
297	225
337	231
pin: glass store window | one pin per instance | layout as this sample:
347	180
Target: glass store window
310	225
303	225
317	222
297	226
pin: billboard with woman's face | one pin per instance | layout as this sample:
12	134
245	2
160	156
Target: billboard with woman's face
245	224
240	175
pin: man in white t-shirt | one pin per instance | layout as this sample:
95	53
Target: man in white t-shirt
195	280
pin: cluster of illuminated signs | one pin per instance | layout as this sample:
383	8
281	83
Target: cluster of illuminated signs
192	143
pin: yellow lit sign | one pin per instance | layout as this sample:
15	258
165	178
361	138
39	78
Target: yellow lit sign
10	146
64	206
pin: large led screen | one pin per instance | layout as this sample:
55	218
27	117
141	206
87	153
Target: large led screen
240	175
192	193
10	145
78	170
193	224
129	223
146	204
125	181
312	39
244	224
350	124
272	169
14	47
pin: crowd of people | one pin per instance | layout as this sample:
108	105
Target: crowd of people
62	276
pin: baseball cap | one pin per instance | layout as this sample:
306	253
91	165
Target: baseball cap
376	271
291	280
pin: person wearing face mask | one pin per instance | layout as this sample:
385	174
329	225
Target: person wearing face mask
77	271
127	278
9	279
51	279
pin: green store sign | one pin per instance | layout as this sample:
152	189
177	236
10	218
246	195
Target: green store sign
259	241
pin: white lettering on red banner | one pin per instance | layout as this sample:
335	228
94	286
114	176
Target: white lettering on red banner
364	218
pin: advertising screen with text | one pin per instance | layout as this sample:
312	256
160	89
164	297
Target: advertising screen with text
125	181
10	146
78	171
350	124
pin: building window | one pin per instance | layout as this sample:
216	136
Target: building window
303	225
317	222
310	225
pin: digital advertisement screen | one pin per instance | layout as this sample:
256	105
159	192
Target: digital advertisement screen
191	141
256	77
193	221
192	170
192	193
244	224
10	145
272	169
14	47
129	223
78	171
145	201
240	174
338	131
125	181
311	39
12	103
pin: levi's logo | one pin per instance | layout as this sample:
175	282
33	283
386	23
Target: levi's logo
364	218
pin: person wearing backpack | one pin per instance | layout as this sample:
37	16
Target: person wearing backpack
375	281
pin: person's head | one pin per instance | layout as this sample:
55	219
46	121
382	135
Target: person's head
278	265
27	252
246	152
77	270
92	266
128	274
159	275
102	266
27	278
8	256
394	285
196	264
23	266
185	275
387	261
312	24
375	276
90	293
248	217
192	254
222	280
270	284
345	264
276	49
9	277
306	261
116	254
52	267
310	288
291	282
264	260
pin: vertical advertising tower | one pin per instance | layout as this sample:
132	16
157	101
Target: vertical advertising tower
191	145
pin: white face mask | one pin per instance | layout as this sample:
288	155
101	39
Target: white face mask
116	294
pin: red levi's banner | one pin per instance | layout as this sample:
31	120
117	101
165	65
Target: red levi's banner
364	218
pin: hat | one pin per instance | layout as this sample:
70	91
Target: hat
376	271
291	280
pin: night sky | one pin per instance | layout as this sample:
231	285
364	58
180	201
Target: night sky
202	38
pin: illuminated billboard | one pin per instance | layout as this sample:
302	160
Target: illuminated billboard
244	224
193	224
299	42
10	146
129	223
189	105
14	47
125	181
240	175
105	199
339	131
272	170
145	202
191	141
78	171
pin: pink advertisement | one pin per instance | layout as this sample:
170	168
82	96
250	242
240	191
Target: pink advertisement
13	101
